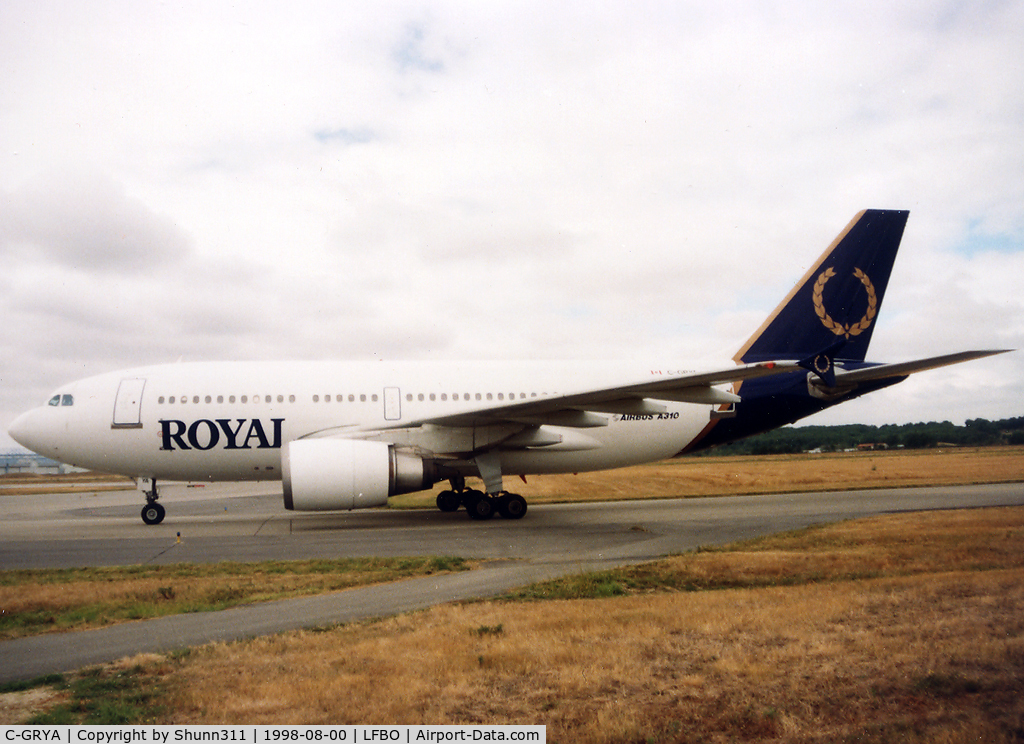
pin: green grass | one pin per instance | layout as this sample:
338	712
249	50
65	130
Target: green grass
104	697
31	684
19	577
94	597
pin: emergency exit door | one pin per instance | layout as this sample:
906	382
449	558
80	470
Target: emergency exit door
392	404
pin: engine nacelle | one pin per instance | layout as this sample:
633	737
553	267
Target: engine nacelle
330	474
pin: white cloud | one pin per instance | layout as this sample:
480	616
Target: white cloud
500	180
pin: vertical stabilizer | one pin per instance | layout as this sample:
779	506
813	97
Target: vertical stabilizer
839	297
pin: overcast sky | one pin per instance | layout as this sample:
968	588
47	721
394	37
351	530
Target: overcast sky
442	180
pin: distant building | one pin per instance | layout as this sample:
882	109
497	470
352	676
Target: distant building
30	462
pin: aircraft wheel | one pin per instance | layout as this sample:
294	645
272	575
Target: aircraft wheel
469	497
481	508
512	506
153	513
448	501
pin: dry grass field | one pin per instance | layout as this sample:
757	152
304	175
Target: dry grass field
902	628
882	660
25	484
728	476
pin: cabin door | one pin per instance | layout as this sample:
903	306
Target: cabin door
128	405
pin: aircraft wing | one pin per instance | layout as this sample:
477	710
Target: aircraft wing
489	425
584	408
902	369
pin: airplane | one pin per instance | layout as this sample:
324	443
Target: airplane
349	435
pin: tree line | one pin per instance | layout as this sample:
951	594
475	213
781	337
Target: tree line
791	439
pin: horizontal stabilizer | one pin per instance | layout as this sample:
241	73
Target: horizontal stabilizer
902	369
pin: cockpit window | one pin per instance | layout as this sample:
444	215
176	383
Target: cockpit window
67	400
55	400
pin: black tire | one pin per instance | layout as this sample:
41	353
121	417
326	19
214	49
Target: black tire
512	506
153	513
470	496
448	501
481	508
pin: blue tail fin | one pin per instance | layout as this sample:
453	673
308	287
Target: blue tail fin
838	299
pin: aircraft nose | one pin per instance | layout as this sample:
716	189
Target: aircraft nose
24	432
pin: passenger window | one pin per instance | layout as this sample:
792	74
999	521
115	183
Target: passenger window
55	400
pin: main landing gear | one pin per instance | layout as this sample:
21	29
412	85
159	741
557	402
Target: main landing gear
152	512
481	505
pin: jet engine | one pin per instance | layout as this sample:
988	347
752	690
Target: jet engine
330	474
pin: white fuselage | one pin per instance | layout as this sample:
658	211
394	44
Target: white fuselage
229	420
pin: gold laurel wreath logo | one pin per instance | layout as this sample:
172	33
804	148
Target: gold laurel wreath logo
839	328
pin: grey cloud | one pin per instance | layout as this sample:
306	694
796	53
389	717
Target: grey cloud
89	225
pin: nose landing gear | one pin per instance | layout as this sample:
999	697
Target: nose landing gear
152	512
